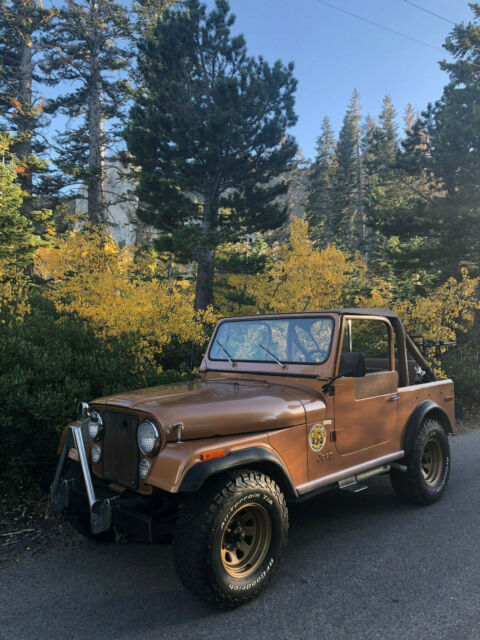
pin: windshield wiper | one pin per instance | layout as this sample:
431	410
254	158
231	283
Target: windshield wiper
284	366
229	355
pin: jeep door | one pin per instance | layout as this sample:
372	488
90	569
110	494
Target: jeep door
366	405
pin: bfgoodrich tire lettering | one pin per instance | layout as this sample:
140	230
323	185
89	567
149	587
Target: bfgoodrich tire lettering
241	512
428	466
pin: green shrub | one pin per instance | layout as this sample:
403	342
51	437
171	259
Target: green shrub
462	365
48	363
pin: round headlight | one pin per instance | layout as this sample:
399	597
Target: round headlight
148	438
96	453
144	468
95	426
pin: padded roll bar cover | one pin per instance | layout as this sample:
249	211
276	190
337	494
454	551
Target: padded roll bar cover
402	351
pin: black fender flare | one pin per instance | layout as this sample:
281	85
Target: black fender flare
424	409
253	458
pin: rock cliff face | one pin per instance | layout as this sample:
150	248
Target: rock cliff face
121	202
296	196
121	205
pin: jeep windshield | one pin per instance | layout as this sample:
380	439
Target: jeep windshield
298	340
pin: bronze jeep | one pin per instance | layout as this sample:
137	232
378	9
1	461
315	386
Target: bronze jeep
285	406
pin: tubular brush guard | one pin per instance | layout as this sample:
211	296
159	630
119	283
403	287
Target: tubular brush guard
100	510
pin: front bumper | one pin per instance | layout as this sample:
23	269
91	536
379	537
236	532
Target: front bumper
126	511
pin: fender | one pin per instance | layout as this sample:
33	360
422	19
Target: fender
254	457
418	416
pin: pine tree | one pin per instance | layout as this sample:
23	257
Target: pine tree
148	13
348	186
90	54
442	155
208	130
318	207
22	26
409	118
380	148
383	144
399	194
19	240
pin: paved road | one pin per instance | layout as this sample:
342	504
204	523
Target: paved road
357	566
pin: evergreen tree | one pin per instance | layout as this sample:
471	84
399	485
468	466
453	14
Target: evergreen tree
90	55
22	26
409	118
348	185
380	148
445	143
318	207
208	130
383	143
147	14
19	240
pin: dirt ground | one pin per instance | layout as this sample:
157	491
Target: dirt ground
28	525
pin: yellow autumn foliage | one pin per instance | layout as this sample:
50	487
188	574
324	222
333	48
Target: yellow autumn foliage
303	278
117	290
440	315
300	278
447	310
118	293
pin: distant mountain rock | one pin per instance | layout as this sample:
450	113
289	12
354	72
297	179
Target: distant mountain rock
121	202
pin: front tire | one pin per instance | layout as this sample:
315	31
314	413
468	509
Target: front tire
428	466
230	537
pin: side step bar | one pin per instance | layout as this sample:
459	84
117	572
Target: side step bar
354	483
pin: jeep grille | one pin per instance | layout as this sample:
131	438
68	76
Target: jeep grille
120	451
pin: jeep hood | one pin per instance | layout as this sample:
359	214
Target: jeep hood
219	407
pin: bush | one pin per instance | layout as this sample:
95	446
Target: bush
49	363
462	365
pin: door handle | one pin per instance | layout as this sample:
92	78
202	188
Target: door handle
394	398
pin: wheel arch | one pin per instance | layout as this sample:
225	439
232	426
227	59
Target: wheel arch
257	458
426	409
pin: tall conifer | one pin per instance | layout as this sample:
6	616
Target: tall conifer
90	55
209	131
320	184
22	45
348	189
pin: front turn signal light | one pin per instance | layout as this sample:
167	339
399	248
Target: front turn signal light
211	455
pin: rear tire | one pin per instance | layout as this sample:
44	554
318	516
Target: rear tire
230	537
428	466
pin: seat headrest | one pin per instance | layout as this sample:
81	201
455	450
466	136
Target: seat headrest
352	365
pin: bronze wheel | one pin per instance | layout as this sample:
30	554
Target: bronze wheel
426	468
246	540
432	462
230	537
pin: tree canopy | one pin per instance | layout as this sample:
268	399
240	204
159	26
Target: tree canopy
208	131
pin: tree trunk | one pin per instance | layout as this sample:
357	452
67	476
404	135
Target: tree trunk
205	273
206	257
95	150
25	121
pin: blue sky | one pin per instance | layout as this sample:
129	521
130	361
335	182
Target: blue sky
334	53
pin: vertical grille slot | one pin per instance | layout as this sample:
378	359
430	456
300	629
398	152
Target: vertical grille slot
120	451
